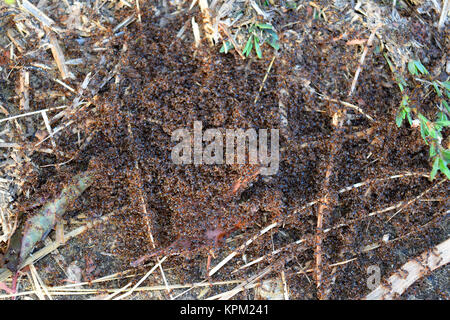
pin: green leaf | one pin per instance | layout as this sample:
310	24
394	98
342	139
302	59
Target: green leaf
420	67
435	168
248	46
275	45
316	14
445	105
423	127
436	88
443	123
412	68
405	101
446	154
399	118
227	45
389	62
423	134
432	150
446	85
433	133
257	48
273	34
408	115
441	116
423	118
443	168
401	83
264	26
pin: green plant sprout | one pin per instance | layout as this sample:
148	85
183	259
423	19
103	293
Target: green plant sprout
431	131
404	111
415	67
259	34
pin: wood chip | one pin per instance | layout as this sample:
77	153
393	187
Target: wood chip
58	55
35	12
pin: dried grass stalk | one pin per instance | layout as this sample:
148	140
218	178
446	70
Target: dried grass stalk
411	271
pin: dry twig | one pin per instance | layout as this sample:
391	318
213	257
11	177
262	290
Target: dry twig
411	271
363	57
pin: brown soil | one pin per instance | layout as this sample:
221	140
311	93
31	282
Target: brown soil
164	84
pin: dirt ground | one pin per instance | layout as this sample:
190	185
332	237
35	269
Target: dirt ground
157	83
